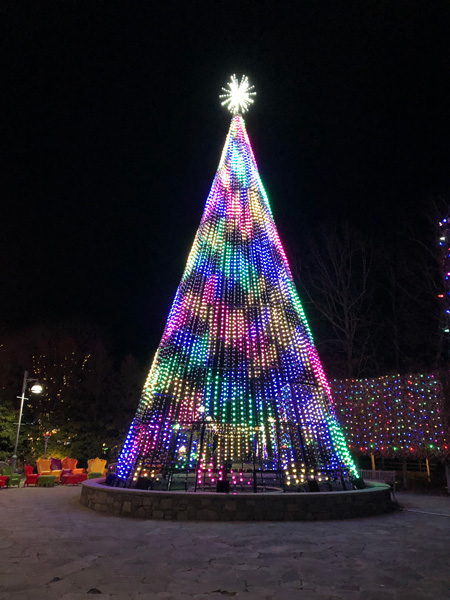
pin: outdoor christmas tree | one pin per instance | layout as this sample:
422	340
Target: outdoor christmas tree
236	384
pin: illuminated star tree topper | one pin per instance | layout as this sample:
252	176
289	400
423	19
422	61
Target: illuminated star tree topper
238	96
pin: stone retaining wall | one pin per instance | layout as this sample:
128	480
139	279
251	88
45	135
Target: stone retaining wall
244	507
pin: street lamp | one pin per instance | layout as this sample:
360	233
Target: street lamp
35	389
46	436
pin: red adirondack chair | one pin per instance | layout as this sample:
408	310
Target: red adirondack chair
31	478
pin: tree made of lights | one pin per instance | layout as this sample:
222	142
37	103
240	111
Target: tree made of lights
236	381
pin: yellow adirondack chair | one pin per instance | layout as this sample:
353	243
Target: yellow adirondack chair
44	466
97	465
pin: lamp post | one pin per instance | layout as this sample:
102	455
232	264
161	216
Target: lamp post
46	436
35	389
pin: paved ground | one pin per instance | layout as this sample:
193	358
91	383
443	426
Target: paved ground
53	548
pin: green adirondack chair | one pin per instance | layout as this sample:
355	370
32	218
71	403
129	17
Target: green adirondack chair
13	478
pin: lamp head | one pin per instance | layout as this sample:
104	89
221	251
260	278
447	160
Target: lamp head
36	388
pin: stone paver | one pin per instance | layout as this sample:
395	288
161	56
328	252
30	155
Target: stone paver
51	547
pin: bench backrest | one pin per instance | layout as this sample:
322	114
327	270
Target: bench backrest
378	475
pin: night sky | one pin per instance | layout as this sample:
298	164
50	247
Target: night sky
111	133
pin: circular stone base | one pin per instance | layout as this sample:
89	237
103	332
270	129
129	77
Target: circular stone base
204	506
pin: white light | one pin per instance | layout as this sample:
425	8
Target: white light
201	409
36	388
182	449
238	95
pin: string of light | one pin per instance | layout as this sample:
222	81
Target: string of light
394	416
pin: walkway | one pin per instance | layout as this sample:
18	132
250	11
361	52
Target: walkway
53	548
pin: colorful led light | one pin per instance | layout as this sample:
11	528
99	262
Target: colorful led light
444	243
236	377
393	416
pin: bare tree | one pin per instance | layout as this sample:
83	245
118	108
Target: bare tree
334	274
408	312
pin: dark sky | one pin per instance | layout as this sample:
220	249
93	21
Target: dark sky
111	132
